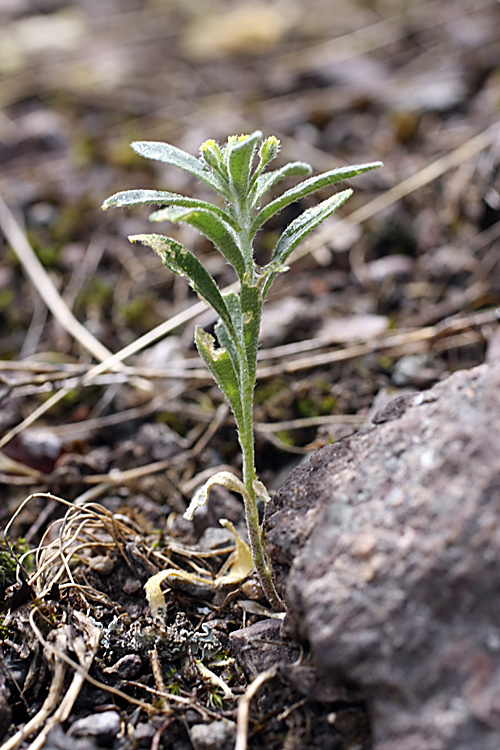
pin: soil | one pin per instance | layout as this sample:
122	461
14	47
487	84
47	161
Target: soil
394	293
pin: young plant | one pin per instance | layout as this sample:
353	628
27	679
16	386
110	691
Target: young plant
237	172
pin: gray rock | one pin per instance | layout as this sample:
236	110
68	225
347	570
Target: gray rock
143	734
216	735
260	647
105	725
388	545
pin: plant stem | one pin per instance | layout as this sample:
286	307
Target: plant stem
255	535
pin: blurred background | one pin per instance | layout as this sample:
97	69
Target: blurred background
416	85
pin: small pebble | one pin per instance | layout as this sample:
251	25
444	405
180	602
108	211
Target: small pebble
143	734
105	725
217	735
131	586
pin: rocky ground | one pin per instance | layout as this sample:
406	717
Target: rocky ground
384	542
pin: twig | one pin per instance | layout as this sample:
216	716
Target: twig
154	660
244	707
299	424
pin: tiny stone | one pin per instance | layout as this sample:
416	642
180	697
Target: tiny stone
102	564
102	725
143	734
131	586
217	735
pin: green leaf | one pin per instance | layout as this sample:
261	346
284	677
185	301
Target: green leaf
216	228
307	187
266	181
227	342
235	347
168	154
251	310
233	304
222	369
165	214
183	263
239	160
162	198
297	230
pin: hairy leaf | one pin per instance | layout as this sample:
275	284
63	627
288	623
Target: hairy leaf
233	304
183	263
297	230
220	364
216	229
251	309
162	198
309	186
265	182
226	341
168	154
200	498
240	156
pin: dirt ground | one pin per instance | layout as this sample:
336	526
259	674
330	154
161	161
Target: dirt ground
394	292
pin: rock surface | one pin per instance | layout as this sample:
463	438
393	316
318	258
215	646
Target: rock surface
388	547
259	647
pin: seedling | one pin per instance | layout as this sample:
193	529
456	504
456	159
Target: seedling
236	171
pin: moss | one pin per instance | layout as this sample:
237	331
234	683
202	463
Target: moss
173	421
97	292
385	362
7	297
285	436
267	390
8	564
139	313
7	569
317	400
49	255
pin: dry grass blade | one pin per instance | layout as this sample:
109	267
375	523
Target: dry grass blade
85	647
44	286
299	424
244	707
82	529
112	361
431	172
156	669
60	636
404	342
